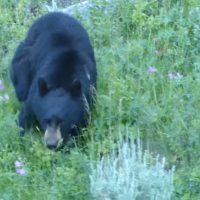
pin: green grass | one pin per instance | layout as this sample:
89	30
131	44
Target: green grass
164	113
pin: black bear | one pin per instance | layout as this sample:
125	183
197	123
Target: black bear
54	74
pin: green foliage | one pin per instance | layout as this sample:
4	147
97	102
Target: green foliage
161	107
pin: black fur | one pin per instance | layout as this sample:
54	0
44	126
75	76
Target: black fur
52	71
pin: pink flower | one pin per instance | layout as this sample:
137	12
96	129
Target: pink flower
151	70
18	164
1	85
21	171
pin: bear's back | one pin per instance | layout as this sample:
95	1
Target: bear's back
61	27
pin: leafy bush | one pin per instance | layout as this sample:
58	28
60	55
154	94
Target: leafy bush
127	173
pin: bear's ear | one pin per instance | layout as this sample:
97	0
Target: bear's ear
75	88
43	89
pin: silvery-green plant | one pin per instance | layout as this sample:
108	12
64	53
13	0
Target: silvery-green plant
126	174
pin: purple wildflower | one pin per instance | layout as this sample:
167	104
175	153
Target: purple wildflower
171	76
1	85
19	168
20	171
18	164
151	70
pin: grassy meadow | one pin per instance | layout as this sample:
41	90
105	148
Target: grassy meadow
148	61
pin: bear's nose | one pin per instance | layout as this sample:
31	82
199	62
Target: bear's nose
51	144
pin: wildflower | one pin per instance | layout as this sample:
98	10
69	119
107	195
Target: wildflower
18	164
1	85
174	76
171	76
151	70
19	168
20	171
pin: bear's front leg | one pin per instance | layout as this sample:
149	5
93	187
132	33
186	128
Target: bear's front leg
23	120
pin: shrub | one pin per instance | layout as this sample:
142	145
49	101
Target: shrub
129	174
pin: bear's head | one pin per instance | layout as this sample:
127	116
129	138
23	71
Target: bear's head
60	112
